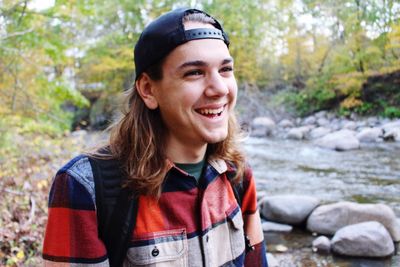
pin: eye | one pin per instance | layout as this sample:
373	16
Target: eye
194	72
226	69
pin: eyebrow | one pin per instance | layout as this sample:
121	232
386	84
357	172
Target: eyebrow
200	63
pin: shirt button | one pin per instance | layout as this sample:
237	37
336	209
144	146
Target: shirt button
155	252
207	238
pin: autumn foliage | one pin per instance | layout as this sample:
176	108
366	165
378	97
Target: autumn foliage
61	66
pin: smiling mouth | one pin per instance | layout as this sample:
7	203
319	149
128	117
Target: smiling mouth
210	112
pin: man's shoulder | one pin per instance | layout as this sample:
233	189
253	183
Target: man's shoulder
79	165
78	170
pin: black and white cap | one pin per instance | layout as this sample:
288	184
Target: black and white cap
167	32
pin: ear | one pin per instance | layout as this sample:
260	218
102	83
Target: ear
145	87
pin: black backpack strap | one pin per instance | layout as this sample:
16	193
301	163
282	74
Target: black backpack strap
116	208
238	191
237	187
121	226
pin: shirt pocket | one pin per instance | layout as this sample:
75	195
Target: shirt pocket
236	234
159	249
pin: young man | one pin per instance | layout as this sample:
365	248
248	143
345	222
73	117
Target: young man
176	149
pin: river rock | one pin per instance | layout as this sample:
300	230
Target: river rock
321	114
335	124
392	134
349	125
367	239
390	125
285	123
372	121
295	134
322	122
341	140
361	125
318	132
262	126
309	120
321	244
276	227
299	133
272	261
369	135
261	195
290	209
327	219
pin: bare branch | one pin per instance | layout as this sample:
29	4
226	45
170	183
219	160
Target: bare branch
14	34
19	193
33	209
22	13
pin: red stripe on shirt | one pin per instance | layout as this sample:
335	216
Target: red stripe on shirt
84	243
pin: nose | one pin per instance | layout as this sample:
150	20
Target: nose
216	85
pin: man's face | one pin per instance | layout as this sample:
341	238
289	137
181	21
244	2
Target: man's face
197	93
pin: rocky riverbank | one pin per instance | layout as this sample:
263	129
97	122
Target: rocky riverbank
365	232
327	130
303	231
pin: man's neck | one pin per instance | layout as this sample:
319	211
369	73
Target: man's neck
181	153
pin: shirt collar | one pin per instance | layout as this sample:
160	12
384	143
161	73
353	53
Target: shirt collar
218	164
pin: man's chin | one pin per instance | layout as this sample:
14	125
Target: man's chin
216	139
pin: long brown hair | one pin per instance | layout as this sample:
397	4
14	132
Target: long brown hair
138	142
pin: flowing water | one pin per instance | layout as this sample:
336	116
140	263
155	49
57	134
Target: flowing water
368	175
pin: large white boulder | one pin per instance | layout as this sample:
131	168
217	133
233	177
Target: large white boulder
367	239
289	209
392	134
340	140
391	125
369	134
327	219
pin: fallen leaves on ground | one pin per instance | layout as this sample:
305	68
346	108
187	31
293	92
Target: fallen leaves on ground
27	168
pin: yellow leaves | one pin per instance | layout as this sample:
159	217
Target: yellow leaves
373	51
349	84
305	54
120	58
43	184
25	178
109	67
394	41
20	255
351	102
394	37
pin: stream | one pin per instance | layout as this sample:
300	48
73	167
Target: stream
367	175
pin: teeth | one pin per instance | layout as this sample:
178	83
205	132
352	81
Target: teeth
211	111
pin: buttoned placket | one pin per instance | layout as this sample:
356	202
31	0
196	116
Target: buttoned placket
205	239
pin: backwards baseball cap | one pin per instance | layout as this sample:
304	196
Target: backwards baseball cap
167	32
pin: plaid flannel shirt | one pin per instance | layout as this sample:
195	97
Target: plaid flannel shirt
194	223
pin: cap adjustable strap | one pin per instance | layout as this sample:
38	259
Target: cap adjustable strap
205	33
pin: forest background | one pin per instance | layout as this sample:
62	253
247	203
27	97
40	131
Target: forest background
64	67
